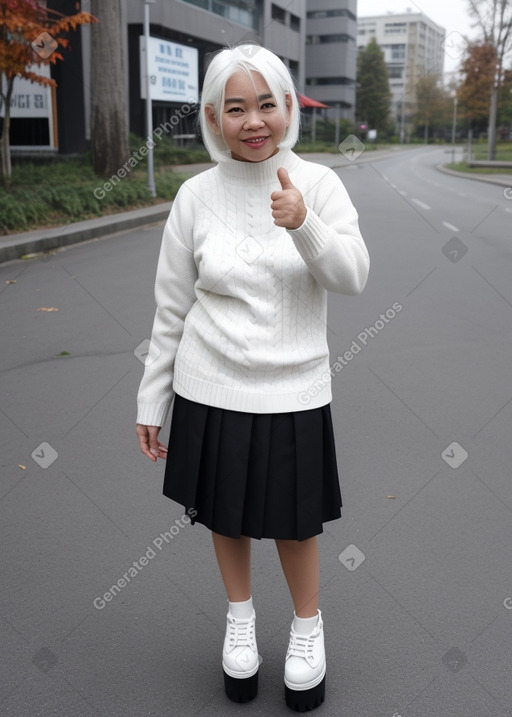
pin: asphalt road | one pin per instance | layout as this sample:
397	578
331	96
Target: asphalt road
416	576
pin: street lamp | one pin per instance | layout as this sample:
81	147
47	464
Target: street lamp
149	108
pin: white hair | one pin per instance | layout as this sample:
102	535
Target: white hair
247	57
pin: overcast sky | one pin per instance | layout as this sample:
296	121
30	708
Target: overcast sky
452	15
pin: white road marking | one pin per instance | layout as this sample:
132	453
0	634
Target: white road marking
450	227
394	186
401	191
420	204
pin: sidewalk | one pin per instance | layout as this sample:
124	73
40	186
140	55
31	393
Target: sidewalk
25	244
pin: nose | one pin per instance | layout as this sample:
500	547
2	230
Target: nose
253	120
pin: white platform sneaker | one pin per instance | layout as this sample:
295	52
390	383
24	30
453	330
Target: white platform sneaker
304	671
240	660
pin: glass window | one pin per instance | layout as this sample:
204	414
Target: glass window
244	12
278	13
295	22
316	14
398	52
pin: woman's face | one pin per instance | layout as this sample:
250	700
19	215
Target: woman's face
252	124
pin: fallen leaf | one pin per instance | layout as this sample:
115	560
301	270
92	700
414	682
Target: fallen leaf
20	466
391	496
10	281
47	308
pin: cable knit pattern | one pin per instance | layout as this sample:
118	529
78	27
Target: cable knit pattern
241	303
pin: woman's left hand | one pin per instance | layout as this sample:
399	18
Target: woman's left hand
288	208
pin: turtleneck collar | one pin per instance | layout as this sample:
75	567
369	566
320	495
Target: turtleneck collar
234	171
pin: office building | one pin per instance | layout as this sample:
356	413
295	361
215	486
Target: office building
412	46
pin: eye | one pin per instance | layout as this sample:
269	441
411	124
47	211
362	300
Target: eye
268	106
234	110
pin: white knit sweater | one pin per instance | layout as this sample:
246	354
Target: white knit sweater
241	303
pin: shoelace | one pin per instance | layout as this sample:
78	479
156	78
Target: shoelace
241	632
301	645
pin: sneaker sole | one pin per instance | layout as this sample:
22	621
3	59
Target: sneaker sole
305	700
241	689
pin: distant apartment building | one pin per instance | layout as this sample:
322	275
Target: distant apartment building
316	39
412	46
331	54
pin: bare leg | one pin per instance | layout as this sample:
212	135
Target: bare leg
300	564
234	559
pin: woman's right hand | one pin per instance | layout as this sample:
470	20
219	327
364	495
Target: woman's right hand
149	443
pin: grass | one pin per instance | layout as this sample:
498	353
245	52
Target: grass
503	151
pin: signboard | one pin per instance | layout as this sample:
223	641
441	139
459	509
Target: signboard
28	98
173	71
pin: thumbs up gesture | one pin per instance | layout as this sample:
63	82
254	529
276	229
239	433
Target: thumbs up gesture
288	208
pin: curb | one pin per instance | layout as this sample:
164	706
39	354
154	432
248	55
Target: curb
476	177
41	240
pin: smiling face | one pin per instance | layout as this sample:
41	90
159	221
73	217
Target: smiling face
252	123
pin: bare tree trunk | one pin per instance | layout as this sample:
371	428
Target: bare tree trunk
109	133
5	147
493	111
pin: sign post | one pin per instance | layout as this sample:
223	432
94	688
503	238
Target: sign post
149	108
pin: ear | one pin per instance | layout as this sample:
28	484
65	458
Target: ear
288	105
211	119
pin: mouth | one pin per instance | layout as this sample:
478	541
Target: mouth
255	141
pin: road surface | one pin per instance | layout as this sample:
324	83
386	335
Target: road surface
112	604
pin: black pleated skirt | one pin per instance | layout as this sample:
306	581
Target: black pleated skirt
263	475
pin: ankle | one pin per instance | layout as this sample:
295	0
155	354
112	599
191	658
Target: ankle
305	625
241	610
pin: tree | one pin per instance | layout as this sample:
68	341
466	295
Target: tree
109	130
430	103
475	90
30	34
494	17
373	96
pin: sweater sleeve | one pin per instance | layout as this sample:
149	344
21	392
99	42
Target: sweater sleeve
329	239
174	294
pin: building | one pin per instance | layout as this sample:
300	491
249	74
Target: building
316	39
331	54
413	47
